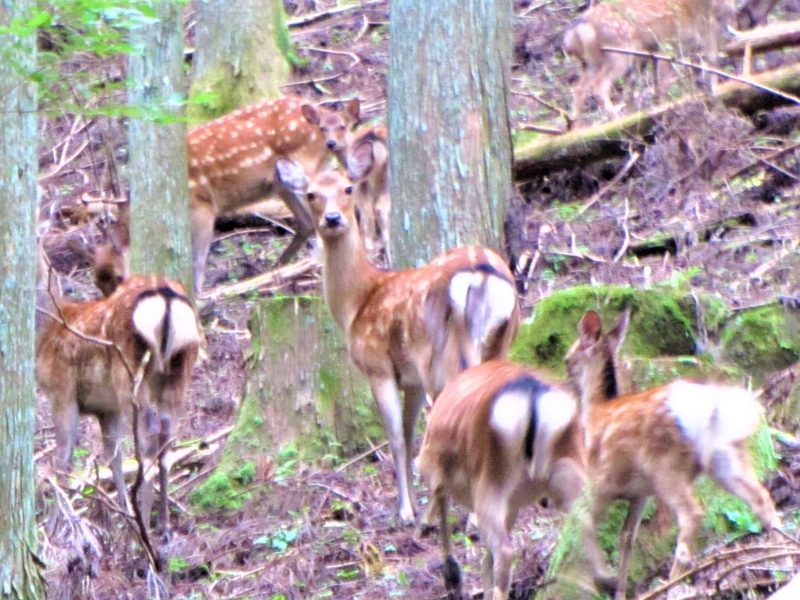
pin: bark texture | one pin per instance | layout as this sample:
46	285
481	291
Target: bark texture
240	56
448	125
19	568
160	238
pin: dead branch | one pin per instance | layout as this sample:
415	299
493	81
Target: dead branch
614	181
302	21
351	55
282	273
764	39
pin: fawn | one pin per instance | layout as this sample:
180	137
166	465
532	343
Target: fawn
642	25
368	169
657	442
409	331
81	375
500	437
232	164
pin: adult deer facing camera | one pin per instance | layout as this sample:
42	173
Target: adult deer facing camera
410	332
656	443
499	437
83	376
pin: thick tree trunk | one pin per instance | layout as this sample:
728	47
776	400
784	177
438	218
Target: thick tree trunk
612	139
301	391
240	56
160	239
448	124
19	569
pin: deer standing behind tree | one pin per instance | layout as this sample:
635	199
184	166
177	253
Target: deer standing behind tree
656	443
411	331
640	25
499	437
80	374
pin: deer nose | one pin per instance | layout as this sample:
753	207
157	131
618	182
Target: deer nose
331	144
333	219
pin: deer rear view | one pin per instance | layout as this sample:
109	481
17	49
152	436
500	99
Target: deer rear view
412	331
82	376
656	443
641	25
499	437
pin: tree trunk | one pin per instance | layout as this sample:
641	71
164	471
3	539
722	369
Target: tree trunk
240	56
448	124
301	392
19	567
160	238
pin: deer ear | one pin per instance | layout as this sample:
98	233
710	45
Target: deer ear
352	109
310	113
616	334
291	175
360	162
590	328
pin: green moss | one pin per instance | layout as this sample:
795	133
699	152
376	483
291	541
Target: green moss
283	39
659	324
648	373
761	341
218	492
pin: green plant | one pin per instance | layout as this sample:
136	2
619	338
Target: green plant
286	462
176	564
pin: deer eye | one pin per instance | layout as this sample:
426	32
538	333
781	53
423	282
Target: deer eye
311	196
348	190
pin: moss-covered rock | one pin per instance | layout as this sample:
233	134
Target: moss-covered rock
646	373
762	341
662	323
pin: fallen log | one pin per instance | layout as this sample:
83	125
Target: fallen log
620	137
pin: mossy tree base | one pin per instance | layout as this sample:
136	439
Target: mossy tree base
301	391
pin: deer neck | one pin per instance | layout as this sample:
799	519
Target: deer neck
600	384
349	278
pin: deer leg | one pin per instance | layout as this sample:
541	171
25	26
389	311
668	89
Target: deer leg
303	227
110	428
604	582
677	494
452	572
626	539
164	442
495	520
731	468
387	394
203	216
65	420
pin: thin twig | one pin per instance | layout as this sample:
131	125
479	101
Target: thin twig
351	55
704	69
624	248
616	179
364	454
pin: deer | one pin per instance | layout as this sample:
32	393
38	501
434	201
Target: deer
87	354
112	260
657	442
638	25
232	163
499	437
409	331
368	168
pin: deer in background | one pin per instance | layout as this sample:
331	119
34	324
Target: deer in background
368	168
641	25
111	260
656	443
337	125
232	164
499	437
84	376
410	332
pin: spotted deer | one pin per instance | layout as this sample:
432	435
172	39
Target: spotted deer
410	331
640	25
81	375
656	443
499	437
111	260
232	164
368	168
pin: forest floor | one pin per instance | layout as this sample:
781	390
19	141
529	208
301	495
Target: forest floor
313	531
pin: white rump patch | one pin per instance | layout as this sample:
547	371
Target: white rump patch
148	320
500	300
510	415
713	416
555	410
183	330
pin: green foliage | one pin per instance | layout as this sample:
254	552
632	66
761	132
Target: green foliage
176	564
218	492
286	463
